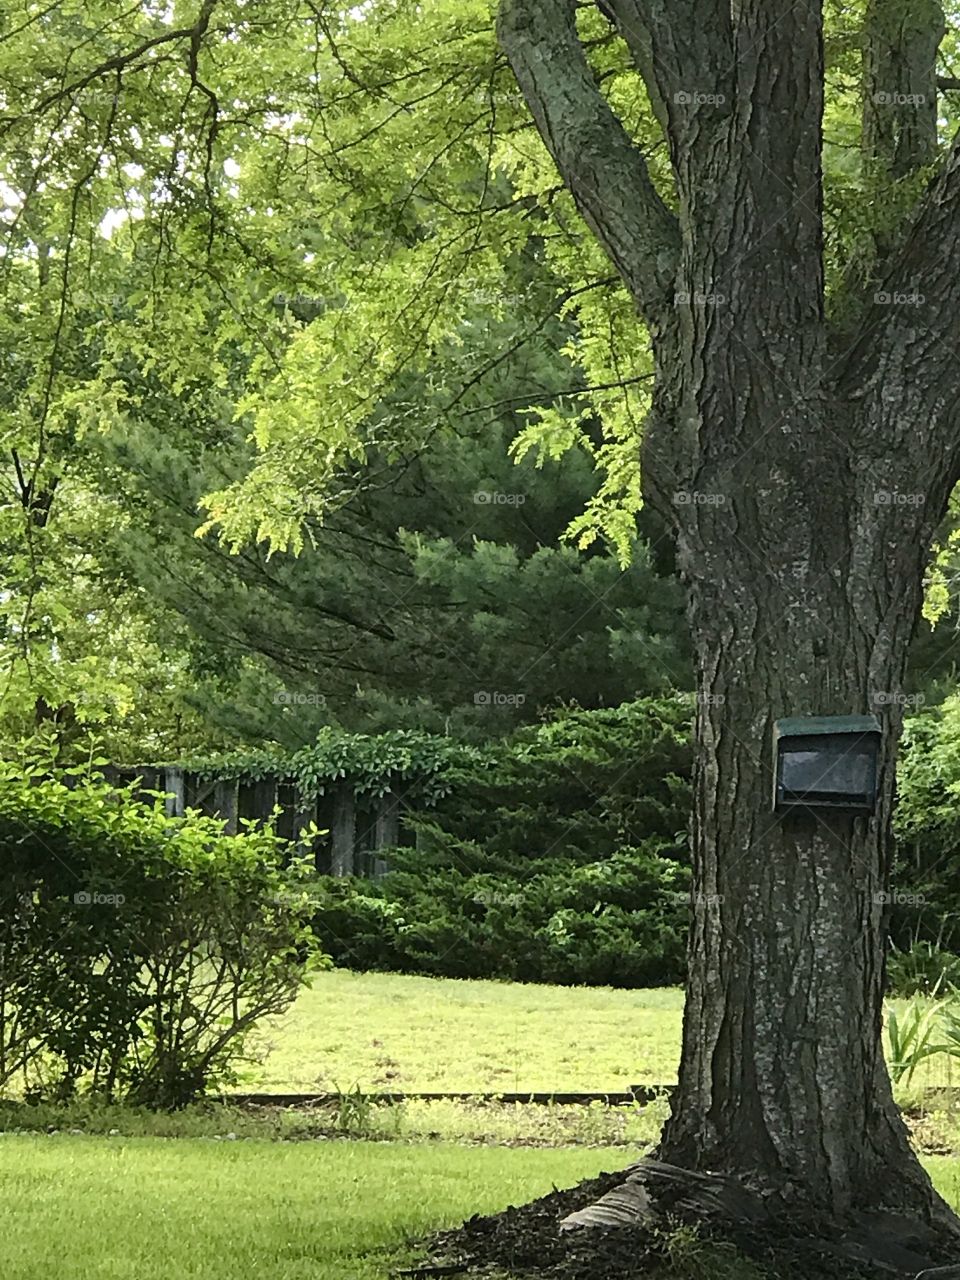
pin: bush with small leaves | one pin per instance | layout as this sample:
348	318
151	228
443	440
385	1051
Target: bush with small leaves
137	953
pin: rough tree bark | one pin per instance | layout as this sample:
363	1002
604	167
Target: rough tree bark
804	473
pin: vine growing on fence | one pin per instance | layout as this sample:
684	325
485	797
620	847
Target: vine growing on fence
373	763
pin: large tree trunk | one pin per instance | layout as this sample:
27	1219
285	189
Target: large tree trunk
805	472
782	1077
804	560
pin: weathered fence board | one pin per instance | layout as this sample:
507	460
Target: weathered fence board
344	831
174	784
357	828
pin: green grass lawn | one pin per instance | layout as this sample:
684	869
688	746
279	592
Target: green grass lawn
386	1031
79	1208
393	1032
406	1033
187	1207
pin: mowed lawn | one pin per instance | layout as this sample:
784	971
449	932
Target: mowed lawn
80	1208
392	1032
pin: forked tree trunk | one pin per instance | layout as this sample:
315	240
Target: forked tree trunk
805	468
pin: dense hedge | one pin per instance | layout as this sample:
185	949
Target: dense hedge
556	856
620	922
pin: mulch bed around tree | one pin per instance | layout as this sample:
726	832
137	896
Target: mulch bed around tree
526	1241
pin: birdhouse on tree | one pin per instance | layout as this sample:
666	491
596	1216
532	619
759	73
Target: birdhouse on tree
826	762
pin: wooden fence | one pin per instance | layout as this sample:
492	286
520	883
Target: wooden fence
359	826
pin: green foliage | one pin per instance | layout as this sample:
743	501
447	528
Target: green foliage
623	927
927	825
926	1027
689	1254
373	763
412	597
358	205
136	953
556	856
929	776
359	208
366	250
949	1029
354	1113
940	600
428	585
911	1039
921	969
359	277
573	761
581	784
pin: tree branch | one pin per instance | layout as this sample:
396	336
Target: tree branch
603	168
117	63
900	44
902	369
683	50
898	133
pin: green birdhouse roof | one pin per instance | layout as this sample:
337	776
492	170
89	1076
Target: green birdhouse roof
814	726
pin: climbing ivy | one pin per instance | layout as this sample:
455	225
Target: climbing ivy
374	763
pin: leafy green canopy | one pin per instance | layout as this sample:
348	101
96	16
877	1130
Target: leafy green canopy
372	169
342	264
375	169
299	221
